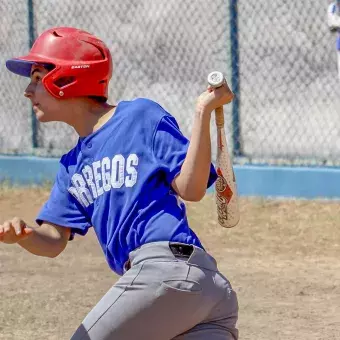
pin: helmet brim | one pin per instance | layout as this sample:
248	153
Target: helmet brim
23	65
20	67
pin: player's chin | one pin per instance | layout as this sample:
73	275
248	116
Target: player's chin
41	116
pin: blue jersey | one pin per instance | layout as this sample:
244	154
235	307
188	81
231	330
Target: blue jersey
118	181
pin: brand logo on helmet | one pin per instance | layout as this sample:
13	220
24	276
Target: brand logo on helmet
80	66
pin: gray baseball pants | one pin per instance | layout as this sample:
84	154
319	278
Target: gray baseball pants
170	291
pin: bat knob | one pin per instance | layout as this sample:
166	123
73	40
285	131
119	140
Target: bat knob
216	79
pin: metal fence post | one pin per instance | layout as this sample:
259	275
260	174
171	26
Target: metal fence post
235	78
31	36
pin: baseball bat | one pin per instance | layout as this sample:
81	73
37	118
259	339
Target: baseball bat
225	185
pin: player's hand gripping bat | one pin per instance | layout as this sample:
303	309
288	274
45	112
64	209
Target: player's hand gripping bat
225	186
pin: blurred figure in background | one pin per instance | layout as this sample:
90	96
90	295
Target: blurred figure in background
333	18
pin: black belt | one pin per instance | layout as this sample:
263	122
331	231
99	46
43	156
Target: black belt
178	249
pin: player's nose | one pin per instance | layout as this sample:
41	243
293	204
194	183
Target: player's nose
29	91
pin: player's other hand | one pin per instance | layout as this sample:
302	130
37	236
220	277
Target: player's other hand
14	230
213	98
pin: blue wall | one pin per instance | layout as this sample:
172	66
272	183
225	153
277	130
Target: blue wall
262	181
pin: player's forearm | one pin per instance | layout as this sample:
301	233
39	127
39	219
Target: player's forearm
191	184
44	241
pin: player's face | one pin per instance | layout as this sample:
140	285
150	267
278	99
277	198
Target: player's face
45	106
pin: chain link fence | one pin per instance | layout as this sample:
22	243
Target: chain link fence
290	91
279	57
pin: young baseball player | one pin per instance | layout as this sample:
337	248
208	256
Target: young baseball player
124	178
333	19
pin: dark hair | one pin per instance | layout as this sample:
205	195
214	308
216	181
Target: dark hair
48	67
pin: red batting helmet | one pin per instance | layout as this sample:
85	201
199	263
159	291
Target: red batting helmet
82	63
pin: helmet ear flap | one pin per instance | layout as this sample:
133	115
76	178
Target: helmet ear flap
56	85
64	81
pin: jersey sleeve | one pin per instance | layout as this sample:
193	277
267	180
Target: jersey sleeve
170	147
62	208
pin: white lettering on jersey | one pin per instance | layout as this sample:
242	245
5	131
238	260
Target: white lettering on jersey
117	172
97	177
102	176
106	175
88	174
73	191
84	196
131	162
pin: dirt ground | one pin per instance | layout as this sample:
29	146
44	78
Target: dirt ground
282	259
